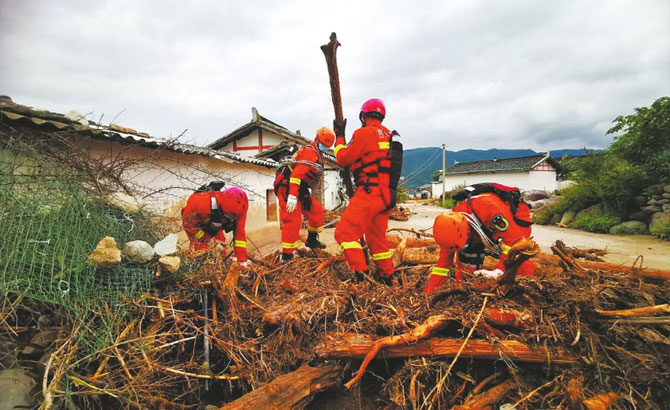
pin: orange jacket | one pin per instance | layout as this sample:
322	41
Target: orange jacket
196	217
302	170
368	144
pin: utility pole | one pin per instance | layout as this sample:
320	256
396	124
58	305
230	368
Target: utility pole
444	166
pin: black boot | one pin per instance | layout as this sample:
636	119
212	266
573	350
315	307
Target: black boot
285	257
313	241
388	281
359	276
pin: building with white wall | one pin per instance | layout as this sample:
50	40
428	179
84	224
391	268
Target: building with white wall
536	172
264	139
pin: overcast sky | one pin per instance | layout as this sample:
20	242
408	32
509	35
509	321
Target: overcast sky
471	74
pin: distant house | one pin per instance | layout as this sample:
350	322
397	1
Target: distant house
526	173
162	173
264	139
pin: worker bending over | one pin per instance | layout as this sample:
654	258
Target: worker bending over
375	156
488	217
292	187
209	212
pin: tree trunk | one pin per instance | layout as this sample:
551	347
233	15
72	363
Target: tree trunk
289	391
357	346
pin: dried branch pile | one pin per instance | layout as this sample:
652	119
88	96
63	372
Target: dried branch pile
565	339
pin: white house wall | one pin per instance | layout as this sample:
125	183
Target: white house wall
525	181
330	181
166	178
251	140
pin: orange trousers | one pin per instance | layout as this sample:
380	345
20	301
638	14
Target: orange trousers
365	216
291	222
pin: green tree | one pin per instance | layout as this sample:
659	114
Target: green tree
645	139
436	175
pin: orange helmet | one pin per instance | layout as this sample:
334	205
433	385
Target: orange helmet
325	136
451	230
233	202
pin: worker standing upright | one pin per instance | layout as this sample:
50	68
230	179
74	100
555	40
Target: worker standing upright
209	212
376	171
488	216
292	187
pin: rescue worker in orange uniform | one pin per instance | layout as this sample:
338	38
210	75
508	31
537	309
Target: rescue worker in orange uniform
366	217
480	222
208	214
292	187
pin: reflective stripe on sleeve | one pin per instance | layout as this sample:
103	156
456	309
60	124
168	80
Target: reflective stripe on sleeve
505	248
199	234
382	255
241	244
384	145
295	181
337	148
440	271
351	245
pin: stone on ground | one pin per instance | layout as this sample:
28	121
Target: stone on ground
171	263
15	386
167	246
630	228
105	253
138	252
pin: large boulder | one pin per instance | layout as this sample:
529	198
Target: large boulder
105	253
657	189
15	386
640	201
563	185
630	228
568	216
138	252
639	216
658	220
651	209
167	246
535	195
591	210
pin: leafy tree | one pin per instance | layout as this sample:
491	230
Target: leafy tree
645	139
436	175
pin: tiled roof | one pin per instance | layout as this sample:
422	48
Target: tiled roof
258	121
50	121
283	149
502	165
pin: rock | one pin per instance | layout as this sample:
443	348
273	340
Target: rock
535	195
657	189
639	216
657	197
652	202
167	246
126	202
568	216
138	252
666	189
105	253
171	263
640	201
650	210
553	200
658	220
630	228
182	241
662	202
563	185
15	386
666	195
590	210
666	208
8	352
41	341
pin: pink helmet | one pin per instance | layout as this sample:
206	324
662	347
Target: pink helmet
234	202
373	106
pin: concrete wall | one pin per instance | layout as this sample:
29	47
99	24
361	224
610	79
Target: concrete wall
525	181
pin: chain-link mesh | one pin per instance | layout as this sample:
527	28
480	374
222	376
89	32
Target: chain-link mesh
49	227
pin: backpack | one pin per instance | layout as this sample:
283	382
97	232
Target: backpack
509	195
211	187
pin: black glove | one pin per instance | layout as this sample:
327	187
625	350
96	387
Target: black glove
338	127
